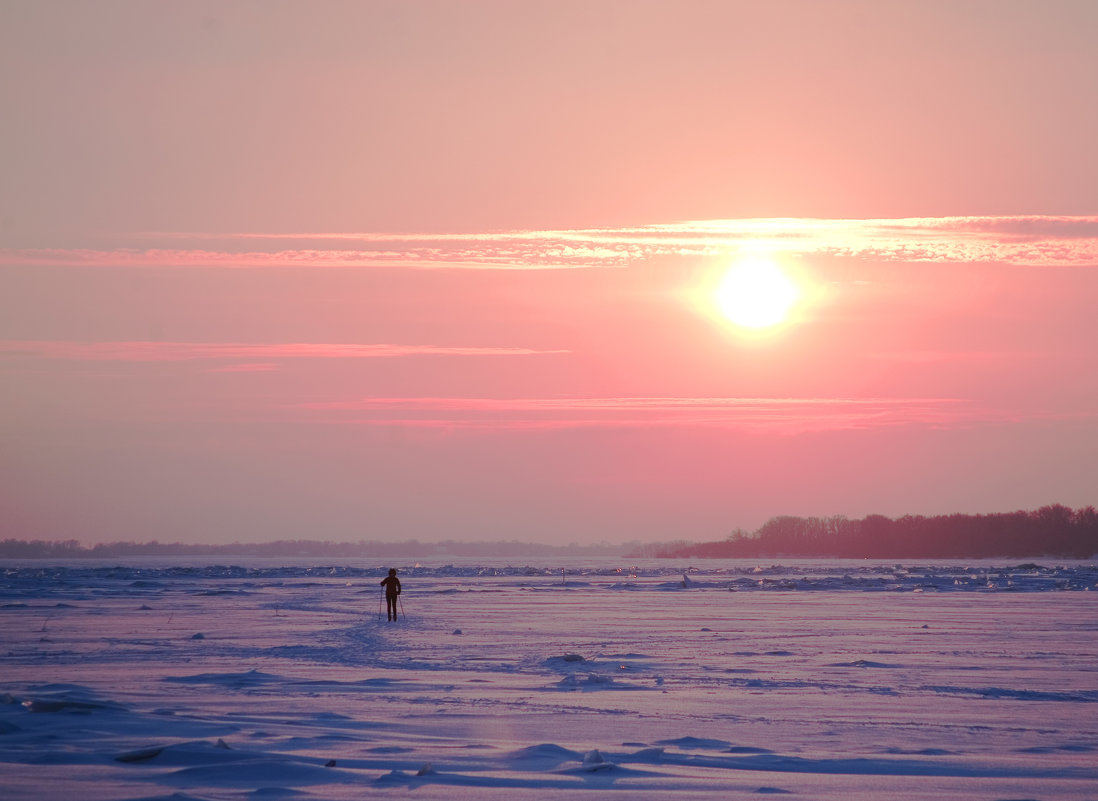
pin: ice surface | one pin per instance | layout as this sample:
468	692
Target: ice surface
819	680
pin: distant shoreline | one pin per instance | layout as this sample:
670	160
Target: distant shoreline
1054	531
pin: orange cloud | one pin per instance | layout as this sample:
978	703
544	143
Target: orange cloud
183	351
778	415
1018	240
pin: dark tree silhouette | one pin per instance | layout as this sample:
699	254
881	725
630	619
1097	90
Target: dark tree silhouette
1054	530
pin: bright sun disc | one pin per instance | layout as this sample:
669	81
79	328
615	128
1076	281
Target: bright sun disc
756	294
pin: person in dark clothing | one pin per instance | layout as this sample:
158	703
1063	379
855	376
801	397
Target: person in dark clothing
392	589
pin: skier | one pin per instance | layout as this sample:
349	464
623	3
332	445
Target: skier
392	590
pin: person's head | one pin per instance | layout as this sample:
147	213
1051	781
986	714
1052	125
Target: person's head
392	571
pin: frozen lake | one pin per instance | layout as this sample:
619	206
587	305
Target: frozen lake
812	679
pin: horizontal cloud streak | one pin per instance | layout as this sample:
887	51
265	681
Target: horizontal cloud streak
185	351
771	415
955	357
423	259
1019	240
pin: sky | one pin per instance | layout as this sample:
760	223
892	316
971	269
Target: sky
458	270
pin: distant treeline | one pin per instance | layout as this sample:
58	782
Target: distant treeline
71	549
1049	531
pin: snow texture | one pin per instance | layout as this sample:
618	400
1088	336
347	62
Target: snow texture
814	679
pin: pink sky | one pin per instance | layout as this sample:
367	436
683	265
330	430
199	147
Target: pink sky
447	270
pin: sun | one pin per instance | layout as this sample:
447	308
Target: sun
755	293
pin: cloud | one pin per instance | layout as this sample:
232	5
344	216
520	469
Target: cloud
770	415
956	357
251	367
184	351
1019	228
1019	240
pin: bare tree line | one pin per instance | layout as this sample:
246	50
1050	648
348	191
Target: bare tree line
1054	530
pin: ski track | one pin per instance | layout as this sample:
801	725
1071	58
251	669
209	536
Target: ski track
809	679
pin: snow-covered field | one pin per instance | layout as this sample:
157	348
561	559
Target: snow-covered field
816	680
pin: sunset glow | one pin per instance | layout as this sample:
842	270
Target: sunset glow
719	377
755	293
546	271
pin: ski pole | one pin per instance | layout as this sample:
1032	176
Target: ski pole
401	602
380	601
